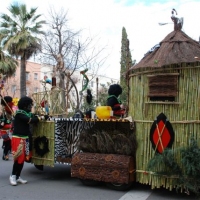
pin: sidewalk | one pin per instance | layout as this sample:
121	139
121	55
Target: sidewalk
144	192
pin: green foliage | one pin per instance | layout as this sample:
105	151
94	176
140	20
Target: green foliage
167	162
191	159
186	172
191	167
19	33
103	94
126	63
7	64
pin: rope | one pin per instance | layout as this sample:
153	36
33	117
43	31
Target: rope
160	134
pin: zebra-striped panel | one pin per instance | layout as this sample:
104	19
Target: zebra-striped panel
67	131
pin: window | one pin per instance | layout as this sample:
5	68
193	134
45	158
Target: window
35	76
13	88
163	87
27	76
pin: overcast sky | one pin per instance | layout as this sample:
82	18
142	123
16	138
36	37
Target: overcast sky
106	18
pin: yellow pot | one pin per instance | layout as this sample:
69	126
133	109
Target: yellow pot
103	112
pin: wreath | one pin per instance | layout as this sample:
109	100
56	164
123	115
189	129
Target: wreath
41	145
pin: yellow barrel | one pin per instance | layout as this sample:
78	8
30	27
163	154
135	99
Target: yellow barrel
103	112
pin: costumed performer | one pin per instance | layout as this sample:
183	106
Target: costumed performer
114	102
20	138
6	125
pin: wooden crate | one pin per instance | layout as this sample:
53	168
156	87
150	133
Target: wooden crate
111	168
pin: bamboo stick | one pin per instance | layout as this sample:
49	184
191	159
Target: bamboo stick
184	116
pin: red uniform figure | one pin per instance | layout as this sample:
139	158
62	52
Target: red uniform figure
6	125
20	138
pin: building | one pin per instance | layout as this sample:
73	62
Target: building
33	81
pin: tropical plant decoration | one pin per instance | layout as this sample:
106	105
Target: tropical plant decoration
185	172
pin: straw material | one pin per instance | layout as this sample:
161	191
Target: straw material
163	86
176	48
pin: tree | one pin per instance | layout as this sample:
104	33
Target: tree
64	49
103	92
20	31
126	63
8	65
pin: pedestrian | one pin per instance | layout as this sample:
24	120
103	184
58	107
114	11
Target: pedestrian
6	125
20	138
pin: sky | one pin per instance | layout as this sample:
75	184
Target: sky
103	20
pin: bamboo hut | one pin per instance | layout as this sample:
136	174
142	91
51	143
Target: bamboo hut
165	83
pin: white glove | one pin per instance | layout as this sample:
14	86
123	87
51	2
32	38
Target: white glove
122	106
42	118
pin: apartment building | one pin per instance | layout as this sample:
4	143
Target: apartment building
33	78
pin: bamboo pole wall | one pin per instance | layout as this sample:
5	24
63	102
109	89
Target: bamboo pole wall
184	116
46	129
54	100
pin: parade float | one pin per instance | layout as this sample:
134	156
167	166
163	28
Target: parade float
157	146
100	149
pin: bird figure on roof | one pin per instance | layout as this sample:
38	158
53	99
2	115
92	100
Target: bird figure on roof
178	22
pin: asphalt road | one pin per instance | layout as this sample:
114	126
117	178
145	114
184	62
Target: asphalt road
56	184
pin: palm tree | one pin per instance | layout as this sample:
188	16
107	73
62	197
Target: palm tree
20	33
8	65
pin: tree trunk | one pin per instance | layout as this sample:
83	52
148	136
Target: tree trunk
23	77
97	91
62	86
67	88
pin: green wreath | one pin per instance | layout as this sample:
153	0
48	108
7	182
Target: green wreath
41	145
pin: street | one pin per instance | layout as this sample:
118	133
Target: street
56	183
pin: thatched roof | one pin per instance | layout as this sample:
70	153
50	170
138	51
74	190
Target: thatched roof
176	48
